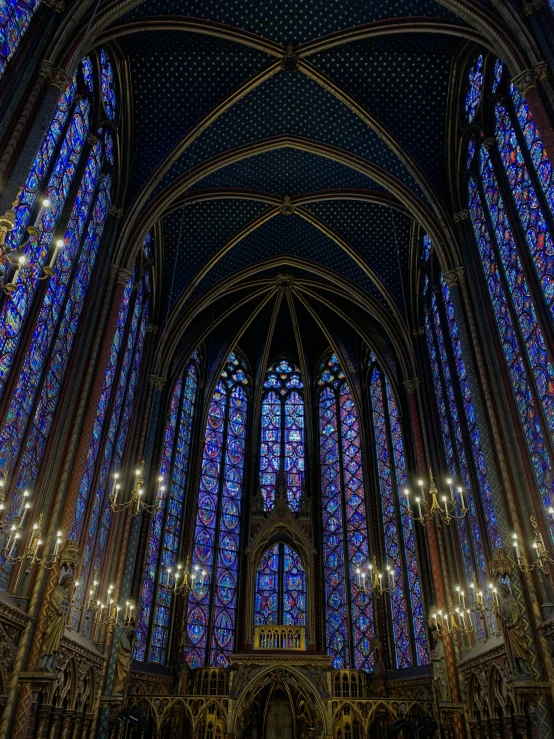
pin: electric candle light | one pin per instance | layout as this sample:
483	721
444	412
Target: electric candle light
58	248
516	545
418	501
462	502
444	500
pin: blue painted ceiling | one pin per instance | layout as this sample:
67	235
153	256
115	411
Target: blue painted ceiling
178	77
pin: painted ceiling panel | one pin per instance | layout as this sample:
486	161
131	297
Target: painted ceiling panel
378	233
291	21
403	81
194	234
297	105
288	172
289	235
177	78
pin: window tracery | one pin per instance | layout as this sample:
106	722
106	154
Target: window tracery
164	538
41	363
511	195
212	607
280	590
282	433
349	609
398	534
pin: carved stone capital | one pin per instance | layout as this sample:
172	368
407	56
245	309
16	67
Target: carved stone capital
286	208
418	331
45	69
489	143
157	382
289	62
524	80
92	139
412	385
461	215
542	71
58	6
152	329
453	276
116	212
59	78
531	6
123	276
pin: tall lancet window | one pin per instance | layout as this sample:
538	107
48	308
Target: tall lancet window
280	593
93	516
282	433
212	608
511	204
166	526
14	21
66	197
408	621
349	610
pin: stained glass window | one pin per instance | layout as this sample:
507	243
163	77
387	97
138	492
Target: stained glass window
526	180
426	245
41	363
217	529
349	610
108	85
172	527
398	534
116	407
474	89
280	591
14	20
282	433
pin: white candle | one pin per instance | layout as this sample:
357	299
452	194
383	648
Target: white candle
418	501
59	246
460	490
444	500
25	509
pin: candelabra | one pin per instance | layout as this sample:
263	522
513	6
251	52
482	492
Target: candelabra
14	259
187	583
106	612
429	511
455	619
372	581
136	500
543	560
31	556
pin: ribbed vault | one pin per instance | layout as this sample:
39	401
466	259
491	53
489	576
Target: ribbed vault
277	137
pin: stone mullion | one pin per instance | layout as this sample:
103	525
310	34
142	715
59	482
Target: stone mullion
123	523
375	533
488	547
541	22
91	416
397	495
436	553
453	542
452	280
33	120
510	494
526	83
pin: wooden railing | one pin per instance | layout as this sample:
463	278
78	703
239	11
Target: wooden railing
280	637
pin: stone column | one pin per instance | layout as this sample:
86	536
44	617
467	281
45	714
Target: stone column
526	84
434	544
77	726
17	157
55	723
43	721
68	724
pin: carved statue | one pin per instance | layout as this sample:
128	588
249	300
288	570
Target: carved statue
379	668
58	607
124	657
514	633
438	662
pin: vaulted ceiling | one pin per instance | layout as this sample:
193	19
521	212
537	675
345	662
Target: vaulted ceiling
300	137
